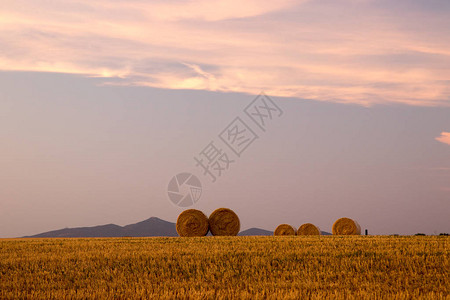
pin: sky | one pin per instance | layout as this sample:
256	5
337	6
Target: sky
102	103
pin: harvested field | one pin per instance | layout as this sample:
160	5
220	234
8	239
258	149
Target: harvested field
342	267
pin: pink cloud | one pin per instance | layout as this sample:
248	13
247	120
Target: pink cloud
286	48
444	138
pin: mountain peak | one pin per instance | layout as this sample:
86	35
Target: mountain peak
155	219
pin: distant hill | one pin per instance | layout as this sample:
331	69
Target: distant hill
150	227
255	231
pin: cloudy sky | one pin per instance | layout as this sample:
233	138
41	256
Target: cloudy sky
102	102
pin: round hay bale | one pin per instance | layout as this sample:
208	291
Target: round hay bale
346	226
192	222
224	221
284	229
308	229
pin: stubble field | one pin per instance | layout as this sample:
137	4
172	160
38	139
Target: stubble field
290	267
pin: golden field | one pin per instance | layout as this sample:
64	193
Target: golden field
292	267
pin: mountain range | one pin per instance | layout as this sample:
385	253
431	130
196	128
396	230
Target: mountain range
147	228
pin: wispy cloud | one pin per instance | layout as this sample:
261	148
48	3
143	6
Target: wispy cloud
365	52
444	138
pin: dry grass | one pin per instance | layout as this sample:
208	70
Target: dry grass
292	267
224	221
192	222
